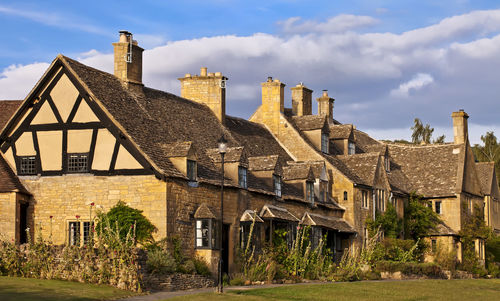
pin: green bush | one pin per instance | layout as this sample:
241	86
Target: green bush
201	267
237	280
493	248
428	269
126	218
398	250
160	262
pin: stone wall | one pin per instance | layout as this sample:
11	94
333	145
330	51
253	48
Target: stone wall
8	214
175	282
65	197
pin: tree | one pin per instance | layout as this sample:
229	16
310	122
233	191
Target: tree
126	218
489	151
419	219
423	133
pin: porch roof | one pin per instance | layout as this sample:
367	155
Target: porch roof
330	222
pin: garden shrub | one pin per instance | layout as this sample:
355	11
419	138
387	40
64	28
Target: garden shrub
125	218
398	250
237	279
201	266
428	269
160	262
388	222
445	258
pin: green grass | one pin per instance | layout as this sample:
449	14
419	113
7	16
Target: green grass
474	290
14	288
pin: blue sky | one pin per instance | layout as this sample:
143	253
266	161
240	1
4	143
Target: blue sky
385	62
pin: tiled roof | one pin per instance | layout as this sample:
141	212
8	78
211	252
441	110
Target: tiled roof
343	131
363	141
485	174
262	163
249	216
297	172
431	169
233	154
9	182
334	223
309	122
442	229
176	149
271	211
363	165
316	166
7	109
204	212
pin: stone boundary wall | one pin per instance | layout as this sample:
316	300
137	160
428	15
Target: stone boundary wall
175	282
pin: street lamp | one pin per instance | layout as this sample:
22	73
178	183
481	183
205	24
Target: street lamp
222	151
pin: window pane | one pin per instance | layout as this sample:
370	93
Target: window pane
77	162
27	166
191	170
74	233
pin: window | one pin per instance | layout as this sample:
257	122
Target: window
438	207
351	148
387	163
277	185
27	165
78	162
345	195
364	198
366	236
242	177
206	234
323	191
382	200
433	245
245	238
310	192
86	232
74	233
191	170
324	143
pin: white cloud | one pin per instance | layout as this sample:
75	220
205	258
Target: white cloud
335	24
16	81
419	81
367	73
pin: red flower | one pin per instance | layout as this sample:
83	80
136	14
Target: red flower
51	217
92	204
131	226
77	216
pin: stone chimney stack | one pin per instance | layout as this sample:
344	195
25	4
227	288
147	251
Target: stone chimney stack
301	100
460	127
325	106
273	103
206	88
128	61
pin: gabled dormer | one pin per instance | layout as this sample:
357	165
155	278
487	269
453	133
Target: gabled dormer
269	170
316	129
235	164
301	176
183	156
342	139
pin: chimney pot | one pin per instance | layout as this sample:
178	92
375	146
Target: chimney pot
187	75
203	71
325	93
218	74
269	79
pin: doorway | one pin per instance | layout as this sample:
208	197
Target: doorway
225	248
23	223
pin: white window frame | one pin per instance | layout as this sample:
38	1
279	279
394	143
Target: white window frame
351	148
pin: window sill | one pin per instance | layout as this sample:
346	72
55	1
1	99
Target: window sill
193	183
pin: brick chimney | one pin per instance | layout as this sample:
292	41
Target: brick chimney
273	103
325	106
301	100
206	88
128	61
460	127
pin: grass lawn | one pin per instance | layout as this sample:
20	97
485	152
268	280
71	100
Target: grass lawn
474	290
13	288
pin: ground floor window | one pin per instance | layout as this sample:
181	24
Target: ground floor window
206	234
74	233
245	228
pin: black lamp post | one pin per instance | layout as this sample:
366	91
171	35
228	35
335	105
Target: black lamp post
222	151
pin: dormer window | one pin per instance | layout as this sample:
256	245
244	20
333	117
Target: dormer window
387	164
323	191
324	143
351	150
192	170
242	177
277	185
310	192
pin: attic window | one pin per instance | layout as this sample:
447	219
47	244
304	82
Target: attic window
345	195
27	165
351	148
78	162
310	192
191	170
437	204
323	191
324	143
277	185
387	164
364	197
242	177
